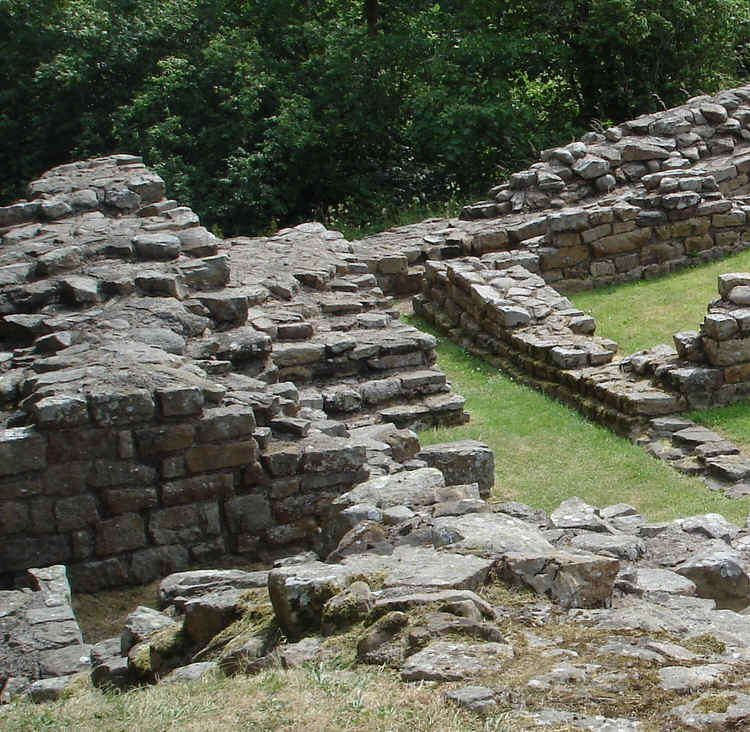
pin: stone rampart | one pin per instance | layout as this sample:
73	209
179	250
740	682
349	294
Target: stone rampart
675	139
513	319
671	191
167	396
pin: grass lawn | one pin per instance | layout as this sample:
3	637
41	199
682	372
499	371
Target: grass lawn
642	314
546	452
732	421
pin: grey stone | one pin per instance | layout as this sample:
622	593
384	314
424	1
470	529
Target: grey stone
687	679
575	513
140	624
443	661
717	571
191	672
465	461
178	587
477	699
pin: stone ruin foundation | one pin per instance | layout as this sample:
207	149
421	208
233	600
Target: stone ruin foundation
168	398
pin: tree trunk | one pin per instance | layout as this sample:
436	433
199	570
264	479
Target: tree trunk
371	16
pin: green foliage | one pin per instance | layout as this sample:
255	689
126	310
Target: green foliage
265	113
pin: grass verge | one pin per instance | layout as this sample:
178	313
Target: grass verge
316	698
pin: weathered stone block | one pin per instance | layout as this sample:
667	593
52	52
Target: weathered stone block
22	449
551	258
198	488
66	446
727	353
14	517
248	514
327	454
737	374
186	524
730	280
225	307
282	459
109	473
156	246
628	241
149	564
222	424
462	462
179	401
129	500
34	552
120	534
120	408
720	326
75	512
204	458
60	412
165	438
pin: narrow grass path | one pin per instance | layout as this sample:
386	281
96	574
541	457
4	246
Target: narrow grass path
641	314
546	452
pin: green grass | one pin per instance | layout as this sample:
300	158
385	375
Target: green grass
546	452
643	314
732	421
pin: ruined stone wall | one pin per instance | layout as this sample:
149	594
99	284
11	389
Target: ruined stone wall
130	485
167	397
670	191
513	319
675	139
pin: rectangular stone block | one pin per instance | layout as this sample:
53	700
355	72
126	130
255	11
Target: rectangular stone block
198	488
223	424
22	449
732	218
98	575
204	458
75	512
562	258
629	241
28	552
120	534
281	459
121	408
737	374
727	353
164	438
698	243
179	401
81	444
726	238
129	500
596	233
188	524
248	514
110	473
68	479
14	517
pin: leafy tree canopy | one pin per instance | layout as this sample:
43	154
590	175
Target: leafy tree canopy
264	112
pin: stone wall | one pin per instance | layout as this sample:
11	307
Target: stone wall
670	191
513	319
167	396
675	139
